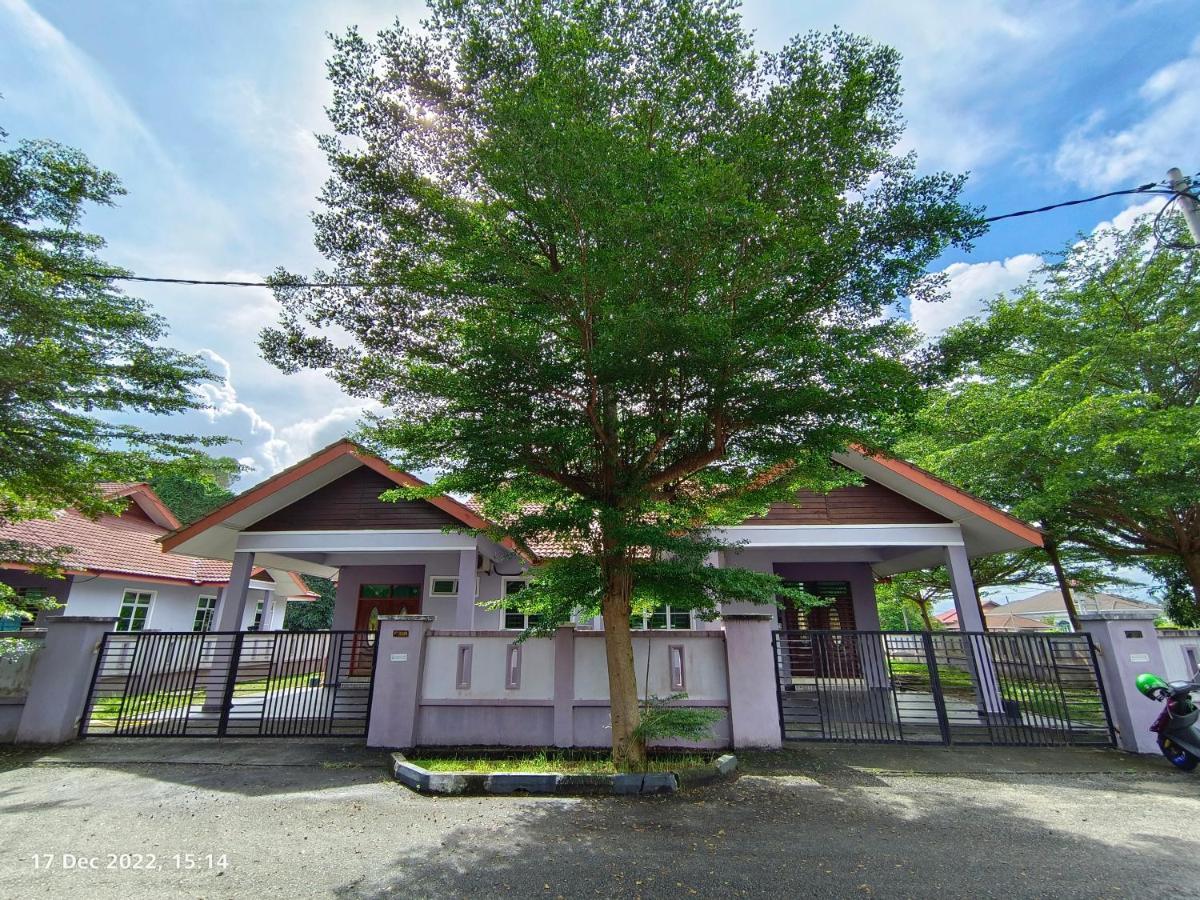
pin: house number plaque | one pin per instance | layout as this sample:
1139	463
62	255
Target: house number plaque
399	632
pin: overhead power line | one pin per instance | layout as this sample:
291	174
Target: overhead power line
1153	187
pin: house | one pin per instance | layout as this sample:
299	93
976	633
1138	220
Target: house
949	618
323	516
1048	608
115	566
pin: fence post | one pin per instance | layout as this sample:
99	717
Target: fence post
62	677
1127	645
396	686
754	719
564	686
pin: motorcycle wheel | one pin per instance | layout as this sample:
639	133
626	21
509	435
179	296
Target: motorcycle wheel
1178	756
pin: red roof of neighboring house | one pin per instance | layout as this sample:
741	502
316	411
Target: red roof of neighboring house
127	544
950	616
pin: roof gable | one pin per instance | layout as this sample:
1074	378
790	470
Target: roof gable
286	488
868	504
352	502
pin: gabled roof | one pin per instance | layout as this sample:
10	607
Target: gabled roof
144	496
123	545
128	544
299	480
1051	602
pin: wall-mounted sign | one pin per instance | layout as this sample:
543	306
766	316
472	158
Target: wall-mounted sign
399	632
399	657
1139	657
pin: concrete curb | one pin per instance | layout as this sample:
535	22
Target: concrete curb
454	783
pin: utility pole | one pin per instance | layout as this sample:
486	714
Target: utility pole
1188	206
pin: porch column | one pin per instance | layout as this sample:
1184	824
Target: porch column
979	659
872	650
464	610
232	611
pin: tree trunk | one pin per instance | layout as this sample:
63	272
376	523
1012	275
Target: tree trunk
978	605
1064	584
628	750
923	605
1191	565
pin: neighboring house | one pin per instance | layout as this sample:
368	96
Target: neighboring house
1048	609
324	517
949	618
115	566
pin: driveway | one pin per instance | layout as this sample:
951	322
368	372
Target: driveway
288	819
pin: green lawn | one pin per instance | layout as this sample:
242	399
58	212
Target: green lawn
107	709
541	761
1033	696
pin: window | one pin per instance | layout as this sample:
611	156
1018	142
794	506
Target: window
384	591
663	618
443	587
514	619
206	608
258	611
135	610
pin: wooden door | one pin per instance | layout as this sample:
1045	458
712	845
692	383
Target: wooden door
375	600
836	655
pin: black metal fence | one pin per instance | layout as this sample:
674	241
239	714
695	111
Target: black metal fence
246	684
940	687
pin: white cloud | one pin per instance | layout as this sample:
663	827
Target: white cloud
970	286
1098	156
269	447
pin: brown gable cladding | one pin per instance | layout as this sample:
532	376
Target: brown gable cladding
870	504
352	502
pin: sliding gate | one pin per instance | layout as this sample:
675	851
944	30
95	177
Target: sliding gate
940	687
237	684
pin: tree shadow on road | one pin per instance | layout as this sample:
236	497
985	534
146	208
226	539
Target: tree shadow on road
787	836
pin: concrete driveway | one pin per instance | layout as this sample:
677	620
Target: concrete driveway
288	819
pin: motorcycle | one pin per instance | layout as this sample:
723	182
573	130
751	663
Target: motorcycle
1178	734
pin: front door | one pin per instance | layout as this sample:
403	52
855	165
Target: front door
823	654
375	600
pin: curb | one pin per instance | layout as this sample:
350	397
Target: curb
455	783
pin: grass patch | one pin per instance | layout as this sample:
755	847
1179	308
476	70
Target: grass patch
1039	697
542	761
141	706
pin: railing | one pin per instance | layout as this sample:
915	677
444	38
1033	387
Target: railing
210	684
941	687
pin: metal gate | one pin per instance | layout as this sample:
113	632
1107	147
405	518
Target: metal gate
232	683
941	687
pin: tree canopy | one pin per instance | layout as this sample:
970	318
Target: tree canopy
75	352
196	489
627	279
1075	405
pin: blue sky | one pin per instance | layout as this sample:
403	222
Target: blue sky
207	112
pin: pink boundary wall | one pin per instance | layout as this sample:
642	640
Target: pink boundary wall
555	693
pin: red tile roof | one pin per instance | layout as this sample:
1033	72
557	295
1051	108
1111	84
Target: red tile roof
122	545
119	544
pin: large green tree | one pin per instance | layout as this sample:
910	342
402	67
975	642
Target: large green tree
76	353
197	488
1076	404
627	279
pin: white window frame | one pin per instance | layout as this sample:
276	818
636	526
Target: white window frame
151	597
435	578
210	610
645	626
504	583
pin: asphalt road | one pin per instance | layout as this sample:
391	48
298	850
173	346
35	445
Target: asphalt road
280	823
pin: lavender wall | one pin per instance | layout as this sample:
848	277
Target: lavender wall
351	578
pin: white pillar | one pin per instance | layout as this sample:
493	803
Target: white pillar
974	646
464	610
232	611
